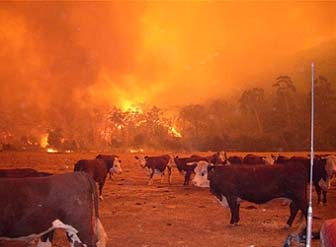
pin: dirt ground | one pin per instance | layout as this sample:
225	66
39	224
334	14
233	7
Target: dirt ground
140	215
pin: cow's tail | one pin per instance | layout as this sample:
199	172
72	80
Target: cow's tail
98	226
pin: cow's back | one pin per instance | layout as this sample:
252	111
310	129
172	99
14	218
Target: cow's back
22	173
157	162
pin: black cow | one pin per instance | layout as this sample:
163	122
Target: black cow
35	207
257	184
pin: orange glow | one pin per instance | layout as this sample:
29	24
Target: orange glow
44	141
133	151
172	131
128	106
59	64
51	150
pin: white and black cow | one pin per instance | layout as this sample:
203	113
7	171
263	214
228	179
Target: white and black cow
257	184
157	165
98	170
34	207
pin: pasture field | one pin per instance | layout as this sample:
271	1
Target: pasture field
135	214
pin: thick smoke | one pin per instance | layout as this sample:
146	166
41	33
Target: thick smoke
61	61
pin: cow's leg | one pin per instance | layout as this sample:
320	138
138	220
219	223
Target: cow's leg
318	192
303	206
151	177
162	177
100	186
234	208
293	211
187	177
237	212
169	175
46	239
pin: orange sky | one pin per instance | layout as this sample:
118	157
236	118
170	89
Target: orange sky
163	53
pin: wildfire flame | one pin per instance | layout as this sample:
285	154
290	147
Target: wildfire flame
174	132
51	150
140	150
44	141
128	106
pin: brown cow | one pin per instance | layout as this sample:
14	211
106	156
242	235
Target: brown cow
22	173
98	169
35	207
323	170
108	158
257	184
157	165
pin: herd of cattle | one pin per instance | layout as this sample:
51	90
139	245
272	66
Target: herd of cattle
42	202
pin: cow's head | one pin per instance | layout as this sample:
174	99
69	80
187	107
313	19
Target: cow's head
221	158
269	159
141	160
330	169
116	167
171	162
201	174
331	166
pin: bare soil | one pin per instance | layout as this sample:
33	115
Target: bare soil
140	215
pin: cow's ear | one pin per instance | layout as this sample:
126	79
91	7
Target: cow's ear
136	157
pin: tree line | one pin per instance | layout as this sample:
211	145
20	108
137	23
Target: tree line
278	120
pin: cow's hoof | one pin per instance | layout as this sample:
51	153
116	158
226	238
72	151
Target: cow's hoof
233	225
